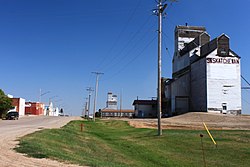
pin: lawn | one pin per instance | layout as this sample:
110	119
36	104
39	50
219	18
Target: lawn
114	143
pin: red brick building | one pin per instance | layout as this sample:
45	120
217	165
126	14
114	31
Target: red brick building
19	105
34	108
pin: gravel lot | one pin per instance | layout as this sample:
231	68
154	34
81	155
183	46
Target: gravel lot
11	130
195	121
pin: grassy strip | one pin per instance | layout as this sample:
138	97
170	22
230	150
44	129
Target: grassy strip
115	143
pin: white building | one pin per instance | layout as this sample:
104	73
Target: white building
111	101
145	108
50	110
206	74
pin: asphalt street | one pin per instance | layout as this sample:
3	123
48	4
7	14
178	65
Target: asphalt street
11	130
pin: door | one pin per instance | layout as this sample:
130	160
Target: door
224	108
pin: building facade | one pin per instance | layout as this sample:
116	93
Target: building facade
145	108
206	74
116	113
50	110
19	104
111	101
111	109
34	108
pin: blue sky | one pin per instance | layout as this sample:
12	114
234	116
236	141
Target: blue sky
56	44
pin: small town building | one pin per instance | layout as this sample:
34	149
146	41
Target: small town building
205	76
111	109
145	108
116	113
34	108
19	105
50	110
111	101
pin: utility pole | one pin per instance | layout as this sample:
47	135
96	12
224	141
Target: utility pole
41	94
121	104
89	89
85	108
96	91
159	13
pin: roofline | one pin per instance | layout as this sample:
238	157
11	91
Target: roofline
117	110
191	27
223	34
234	53
146	102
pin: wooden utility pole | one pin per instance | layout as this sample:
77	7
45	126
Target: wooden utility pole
89	89
85	108
159	13
121	104
96	91
41	94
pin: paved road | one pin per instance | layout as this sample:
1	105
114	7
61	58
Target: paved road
11	130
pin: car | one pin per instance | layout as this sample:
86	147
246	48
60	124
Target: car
12	115
165	115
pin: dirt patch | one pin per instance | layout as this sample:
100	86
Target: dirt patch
194	121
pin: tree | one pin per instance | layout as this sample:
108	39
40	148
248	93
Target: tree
98	114
5	103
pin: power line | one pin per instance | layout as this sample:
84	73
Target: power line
165	45
134	58
245	88
126	54
245	80
120	34
115	57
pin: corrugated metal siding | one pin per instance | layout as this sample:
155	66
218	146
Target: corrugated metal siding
180	87
181	105
181	62
198	86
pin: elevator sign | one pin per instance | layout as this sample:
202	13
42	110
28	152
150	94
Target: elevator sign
223	60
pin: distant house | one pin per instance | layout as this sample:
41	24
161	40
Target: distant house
145	108
34	108
116	113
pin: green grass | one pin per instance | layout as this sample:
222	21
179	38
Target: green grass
115	143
